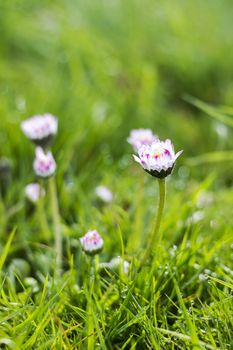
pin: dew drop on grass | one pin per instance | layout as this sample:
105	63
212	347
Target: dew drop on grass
202	277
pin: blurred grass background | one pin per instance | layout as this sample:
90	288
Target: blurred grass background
104	67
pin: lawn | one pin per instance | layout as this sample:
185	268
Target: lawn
104	68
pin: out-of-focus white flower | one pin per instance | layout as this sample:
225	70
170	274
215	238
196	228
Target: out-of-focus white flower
196	217
104	194
118	261
115	263
40	128
205	199
44	164
92	243
140	137
34	192
158	159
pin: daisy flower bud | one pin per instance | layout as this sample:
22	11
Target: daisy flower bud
40	128
34	192
104	194
140	137
44	164
158	159
92	243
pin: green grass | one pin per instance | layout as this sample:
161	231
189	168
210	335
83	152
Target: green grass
105	67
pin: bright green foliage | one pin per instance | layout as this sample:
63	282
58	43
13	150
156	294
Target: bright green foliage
104	67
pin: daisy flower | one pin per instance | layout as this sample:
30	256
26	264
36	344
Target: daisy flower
158	159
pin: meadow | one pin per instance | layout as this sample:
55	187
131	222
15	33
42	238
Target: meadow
104	68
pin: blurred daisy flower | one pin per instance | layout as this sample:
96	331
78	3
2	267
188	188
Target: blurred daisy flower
158	159
34	192
118	261
40	128
44	164
115	263
104	194
139	137
92	243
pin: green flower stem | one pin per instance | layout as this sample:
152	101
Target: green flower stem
56	224
88	274
90	305
155	234
96	264
42	217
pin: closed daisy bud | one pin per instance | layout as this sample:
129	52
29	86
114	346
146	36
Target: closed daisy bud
34	192
158	159
40	129
140	137
92	243
44	164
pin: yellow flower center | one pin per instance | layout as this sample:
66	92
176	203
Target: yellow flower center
156	155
